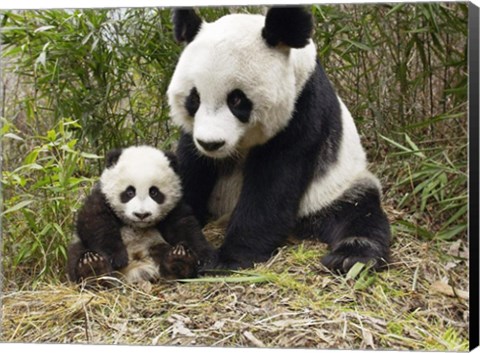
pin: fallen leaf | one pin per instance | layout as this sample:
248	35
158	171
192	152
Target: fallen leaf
180	328
454	248
368	338
249	336
218	325
444	288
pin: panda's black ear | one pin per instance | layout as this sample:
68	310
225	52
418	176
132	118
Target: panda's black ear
186	24
290	26
172	158
112	157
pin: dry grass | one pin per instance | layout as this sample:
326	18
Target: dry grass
419	303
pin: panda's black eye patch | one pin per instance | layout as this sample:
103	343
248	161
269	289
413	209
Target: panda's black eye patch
156	195
240	105
192	103
127	195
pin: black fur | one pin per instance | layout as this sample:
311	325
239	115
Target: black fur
181	227
240	105
172	158
127	194
355	227
192	103
291	26
98	227
80	266
198	174
175	261
186	24
156	195
112	157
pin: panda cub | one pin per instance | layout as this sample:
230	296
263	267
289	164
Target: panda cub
267	142
134	222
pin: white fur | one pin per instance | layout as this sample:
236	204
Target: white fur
224	56
141	266
141	167
226	192
350	168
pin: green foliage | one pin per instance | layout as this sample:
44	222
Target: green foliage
434	188
108	69
396	65
41	197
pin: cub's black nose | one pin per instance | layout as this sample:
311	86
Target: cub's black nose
142	216
211	146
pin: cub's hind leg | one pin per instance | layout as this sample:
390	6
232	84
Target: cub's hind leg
175	262
84	263
355	228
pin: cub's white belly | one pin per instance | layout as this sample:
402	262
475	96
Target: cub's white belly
138	242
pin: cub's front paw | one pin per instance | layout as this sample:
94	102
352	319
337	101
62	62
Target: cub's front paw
92	264
179	262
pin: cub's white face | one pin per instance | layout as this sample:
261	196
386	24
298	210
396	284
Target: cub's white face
141	187
232	91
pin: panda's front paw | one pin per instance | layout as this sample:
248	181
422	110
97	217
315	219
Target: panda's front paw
179	262
224	260
91	264
351	250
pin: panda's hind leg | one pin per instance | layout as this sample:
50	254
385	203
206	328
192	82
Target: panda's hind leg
86	264
355	228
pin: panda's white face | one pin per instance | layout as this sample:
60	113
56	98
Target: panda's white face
231	90
141	187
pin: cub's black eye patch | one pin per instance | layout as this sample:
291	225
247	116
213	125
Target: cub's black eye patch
240	105
156	195
127	195
192	103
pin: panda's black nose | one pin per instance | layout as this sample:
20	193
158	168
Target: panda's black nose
211	146
142	216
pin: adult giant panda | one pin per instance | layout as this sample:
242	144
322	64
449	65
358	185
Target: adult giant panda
266	140
134	222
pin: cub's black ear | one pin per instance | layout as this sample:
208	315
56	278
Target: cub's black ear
186	24
172	158
112	157
290	26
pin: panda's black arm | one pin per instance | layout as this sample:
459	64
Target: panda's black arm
181	226
198	176
99	229
267	208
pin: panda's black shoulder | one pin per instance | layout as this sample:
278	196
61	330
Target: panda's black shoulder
96	210
317	114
